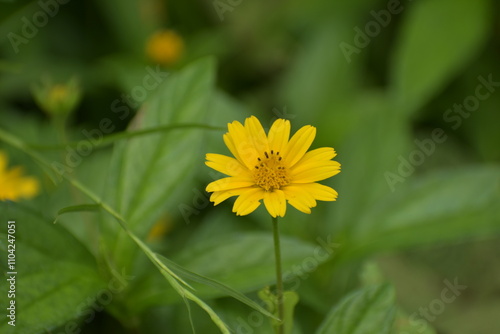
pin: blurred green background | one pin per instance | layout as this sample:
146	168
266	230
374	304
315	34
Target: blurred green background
406	92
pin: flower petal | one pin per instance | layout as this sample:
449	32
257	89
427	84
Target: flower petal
316	172
241	144
318	191
279	135
304	196
228	183
275	203
298	198
225	164
299	205
299	144
318	155
257	135
218	197
248	201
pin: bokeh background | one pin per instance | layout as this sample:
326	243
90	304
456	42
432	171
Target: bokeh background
407	92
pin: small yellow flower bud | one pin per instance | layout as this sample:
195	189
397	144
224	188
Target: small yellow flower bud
165	47
59	99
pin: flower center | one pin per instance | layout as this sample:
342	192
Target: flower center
270	172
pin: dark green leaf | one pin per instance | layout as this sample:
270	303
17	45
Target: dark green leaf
55	284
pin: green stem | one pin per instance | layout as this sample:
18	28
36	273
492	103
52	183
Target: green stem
279	276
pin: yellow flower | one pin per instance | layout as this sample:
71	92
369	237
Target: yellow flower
13	185
165	47
272	168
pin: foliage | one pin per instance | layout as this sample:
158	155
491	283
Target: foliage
412	111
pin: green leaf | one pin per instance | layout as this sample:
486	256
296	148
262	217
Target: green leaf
147	174
437	40
77	208
369	151
367	311
57	278
112	138
243	261
176	282
441	206
246	261
189	275
290	300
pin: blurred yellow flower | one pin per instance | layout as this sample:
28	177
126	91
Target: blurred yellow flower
160	229
165	47
273	168
13	185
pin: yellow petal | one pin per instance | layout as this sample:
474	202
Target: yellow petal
279	134
257	135
218	197
318	155
297	197
232	148
248	201
225	164
299	144
316	172
228	183
320	192
275	203
244	147
299	205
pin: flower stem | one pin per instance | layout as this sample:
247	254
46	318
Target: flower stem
279	276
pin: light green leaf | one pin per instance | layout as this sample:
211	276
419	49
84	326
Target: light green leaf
441	206
367	311
147	174
437	39
55	284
